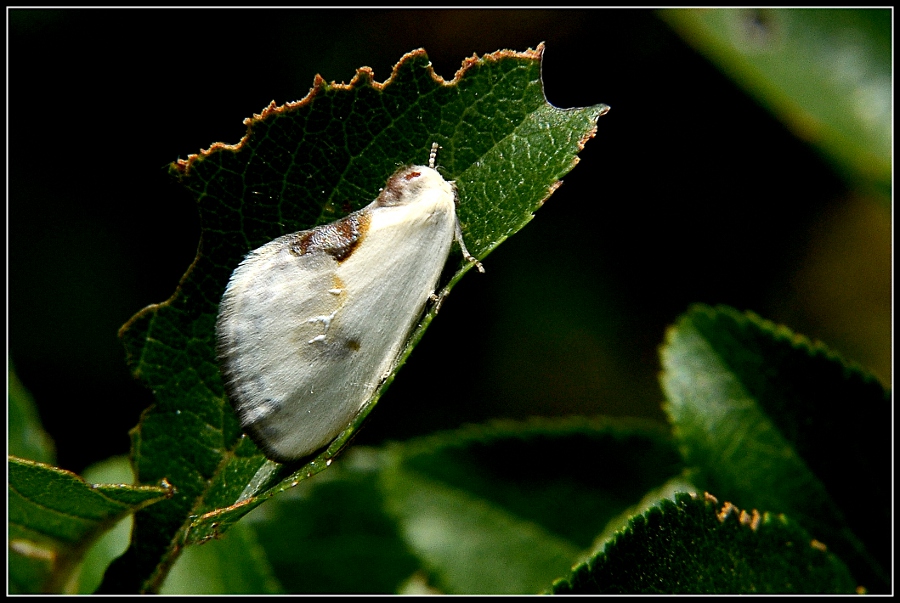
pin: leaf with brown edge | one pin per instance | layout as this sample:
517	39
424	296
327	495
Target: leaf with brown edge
300	165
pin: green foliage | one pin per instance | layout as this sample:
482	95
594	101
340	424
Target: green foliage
27	438
694	546
113	542
298	166
779	423
507	507
826	73
759	417
54	515
236	564
496	508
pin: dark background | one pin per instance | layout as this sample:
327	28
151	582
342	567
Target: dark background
690	192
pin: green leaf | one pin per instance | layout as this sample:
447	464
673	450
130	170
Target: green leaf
504	507
693	546
54	515
332	535
27	438
113	542
826	73
597	466
300	165
233	563
773	421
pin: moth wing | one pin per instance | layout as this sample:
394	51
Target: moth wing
304	340
263	331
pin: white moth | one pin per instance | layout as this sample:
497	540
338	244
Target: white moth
311	323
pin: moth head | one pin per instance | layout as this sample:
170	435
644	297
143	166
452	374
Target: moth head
412	183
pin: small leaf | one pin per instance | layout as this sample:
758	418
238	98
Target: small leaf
776	422
54	515
299	165
694	546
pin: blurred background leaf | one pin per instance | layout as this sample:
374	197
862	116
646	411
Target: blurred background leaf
233	564
825	73
26	437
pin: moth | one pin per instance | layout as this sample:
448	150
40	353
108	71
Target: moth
312	322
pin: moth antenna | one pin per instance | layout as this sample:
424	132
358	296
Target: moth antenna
434	148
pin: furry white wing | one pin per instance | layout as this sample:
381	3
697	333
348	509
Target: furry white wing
306	339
